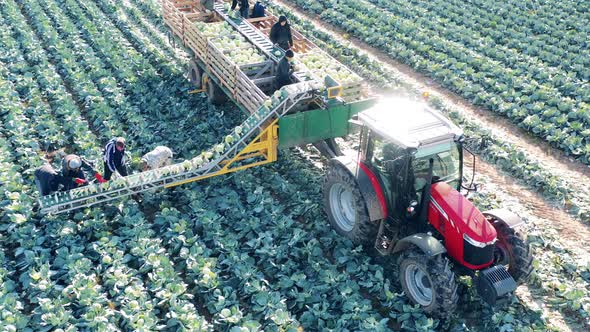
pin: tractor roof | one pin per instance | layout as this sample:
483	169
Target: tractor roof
410	124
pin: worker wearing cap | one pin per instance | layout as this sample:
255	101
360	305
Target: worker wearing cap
113	156
48	180
72	169
280	33
285	70
159	157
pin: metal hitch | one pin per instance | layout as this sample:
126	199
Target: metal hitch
494	284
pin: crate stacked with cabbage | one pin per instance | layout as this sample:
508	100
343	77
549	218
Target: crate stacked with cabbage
331	72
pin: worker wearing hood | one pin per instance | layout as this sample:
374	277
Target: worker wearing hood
280	33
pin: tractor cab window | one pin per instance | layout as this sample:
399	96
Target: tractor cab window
379	150
446	167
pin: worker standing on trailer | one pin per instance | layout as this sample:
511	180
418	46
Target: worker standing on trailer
258	10
113	156
285	70
208	4
280	33
159	157
244	7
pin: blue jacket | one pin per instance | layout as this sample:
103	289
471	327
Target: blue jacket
113	158
258	10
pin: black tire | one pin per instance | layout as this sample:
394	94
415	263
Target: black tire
441	298
215	94
195	75
513	251
361	229
328	148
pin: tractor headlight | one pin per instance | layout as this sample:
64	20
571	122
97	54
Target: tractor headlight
477	243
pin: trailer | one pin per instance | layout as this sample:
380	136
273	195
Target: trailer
315	109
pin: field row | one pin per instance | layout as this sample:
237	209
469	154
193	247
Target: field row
550	101
251	251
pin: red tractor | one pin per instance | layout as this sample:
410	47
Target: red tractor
401	193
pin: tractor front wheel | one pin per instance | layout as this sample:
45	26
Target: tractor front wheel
195	74
513	252
428	281
346	207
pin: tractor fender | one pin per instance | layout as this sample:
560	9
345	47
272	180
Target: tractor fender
368	184
504	216
426	242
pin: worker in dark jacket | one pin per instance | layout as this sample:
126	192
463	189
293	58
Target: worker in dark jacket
285	70
48	180
113	156
280	33
244	7
258	10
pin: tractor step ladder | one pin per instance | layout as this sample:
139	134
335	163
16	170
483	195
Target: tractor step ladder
255	141
248	30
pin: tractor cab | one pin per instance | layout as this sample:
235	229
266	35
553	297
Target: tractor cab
399	138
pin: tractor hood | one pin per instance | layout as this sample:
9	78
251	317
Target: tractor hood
462	214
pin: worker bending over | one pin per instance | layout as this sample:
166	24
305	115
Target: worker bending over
159	157
280	33
48	180
285	69
244	7
113	156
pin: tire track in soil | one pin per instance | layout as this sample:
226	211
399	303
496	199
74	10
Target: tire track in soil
571	170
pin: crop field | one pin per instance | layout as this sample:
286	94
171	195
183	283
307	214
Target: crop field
526	60
254	250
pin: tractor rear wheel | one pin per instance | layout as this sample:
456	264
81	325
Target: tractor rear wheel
346	207
513	252
428	281
215	94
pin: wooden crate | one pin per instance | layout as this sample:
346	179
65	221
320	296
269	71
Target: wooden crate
173	18
247	93
354	91
194	39
255	70
221	67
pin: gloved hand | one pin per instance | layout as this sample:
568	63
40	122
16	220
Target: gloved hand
80	181
99	178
